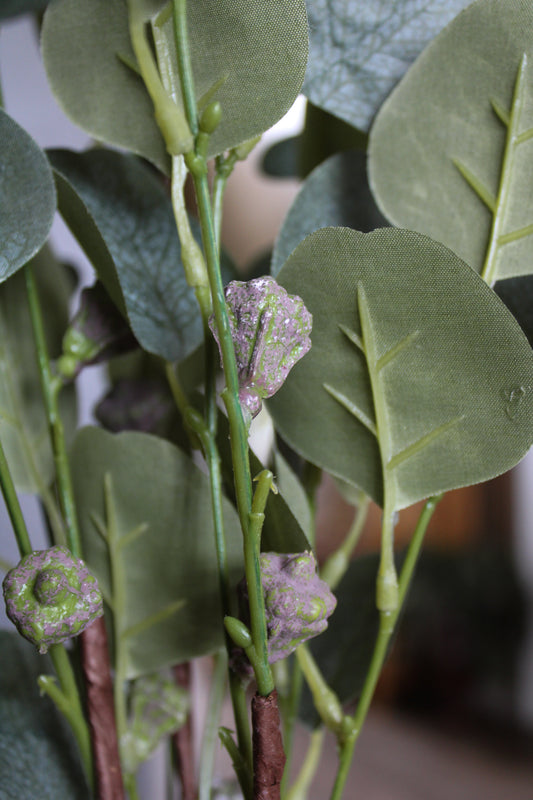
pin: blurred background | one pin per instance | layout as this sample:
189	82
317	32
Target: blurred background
454	711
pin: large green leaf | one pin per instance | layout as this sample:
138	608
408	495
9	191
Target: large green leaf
12	8
335	194
359	50
38	755
122	217
169	610
415	363
451	153
23	424
27	197
253	53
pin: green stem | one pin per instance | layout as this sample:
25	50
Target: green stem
50	388
242	721
325	700
488	272
300	788
223	169
336	565
179	13
131	787
13	506
216	699
387	624
72	708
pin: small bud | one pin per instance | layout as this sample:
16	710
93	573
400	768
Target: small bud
96	333
51	597
270	330
211	116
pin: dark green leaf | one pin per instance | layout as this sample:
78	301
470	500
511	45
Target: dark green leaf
120	213
23	423
517	294
335	194
344	650
415	361
450	151
282	160
359	50
294	494
13	8
253	54
170	610
27	197
38	755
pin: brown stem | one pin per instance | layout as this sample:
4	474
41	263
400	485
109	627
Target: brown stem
183	747
101	712
269	756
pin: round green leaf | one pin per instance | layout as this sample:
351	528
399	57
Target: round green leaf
164	543
451	152
335	194
251	56
416	365
359	50
86	51
122	216
27	197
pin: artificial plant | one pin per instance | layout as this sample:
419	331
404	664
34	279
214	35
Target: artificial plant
404	374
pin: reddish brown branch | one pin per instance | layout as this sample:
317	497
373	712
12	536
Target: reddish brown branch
183	747
101	712
269	756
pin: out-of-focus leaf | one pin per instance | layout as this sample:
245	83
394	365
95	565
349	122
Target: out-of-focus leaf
23	424
251	56
38	754
164	545
419	379
282	160
13	8
27	197
344	650
294	494
359	50
450	151
335	194
517	294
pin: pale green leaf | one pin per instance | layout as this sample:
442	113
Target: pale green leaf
27	197
335	194
121	215
451	153
23	424
38	754
170	609
407	341
359	50
253	52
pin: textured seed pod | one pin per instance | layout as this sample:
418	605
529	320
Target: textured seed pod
51	596
297	603
271	332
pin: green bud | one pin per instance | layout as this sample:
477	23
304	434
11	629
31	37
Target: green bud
238	632
211	116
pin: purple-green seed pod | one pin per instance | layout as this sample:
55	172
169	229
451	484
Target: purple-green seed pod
297	602
51	596
271	332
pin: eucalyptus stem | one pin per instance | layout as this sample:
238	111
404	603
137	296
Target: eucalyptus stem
179	15
300	788
50	388
13	506
388	620
209	740
289	714
336	565
72	708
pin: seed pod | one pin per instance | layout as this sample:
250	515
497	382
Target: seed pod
51	596
297	603
270	330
